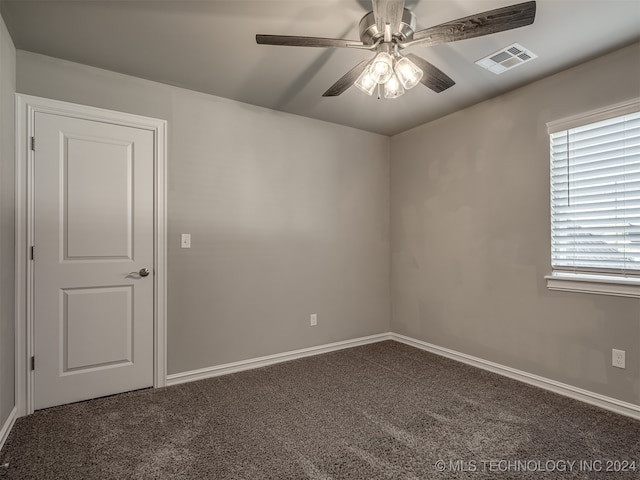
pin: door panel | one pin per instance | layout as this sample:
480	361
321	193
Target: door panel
97	328
97	179
93	229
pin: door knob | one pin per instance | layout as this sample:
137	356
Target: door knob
143	272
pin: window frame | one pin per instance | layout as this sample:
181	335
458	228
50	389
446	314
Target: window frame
585	281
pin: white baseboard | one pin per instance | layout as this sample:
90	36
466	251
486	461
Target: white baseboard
177	378
602	401
8	425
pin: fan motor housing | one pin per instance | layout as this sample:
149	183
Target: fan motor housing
369	32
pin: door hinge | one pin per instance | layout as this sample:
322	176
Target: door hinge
33	253
33	363
33	143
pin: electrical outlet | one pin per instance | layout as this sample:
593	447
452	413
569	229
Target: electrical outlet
617	358
313	319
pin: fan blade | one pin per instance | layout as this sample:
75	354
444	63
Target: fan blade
493	21
432	77
347	80
294	41
388	11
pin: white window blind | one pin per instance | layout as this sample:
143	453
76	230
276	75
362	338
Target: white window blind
595	194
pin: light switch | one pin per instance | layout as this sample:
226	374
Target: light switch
185	241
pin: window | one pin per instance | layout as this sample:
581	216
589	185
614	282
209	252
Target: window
595	201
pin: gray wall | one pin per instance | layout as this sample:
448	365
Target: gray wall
471	236
7	229
288	216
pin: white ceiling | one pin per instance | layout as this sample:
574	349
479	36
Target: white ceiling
209	46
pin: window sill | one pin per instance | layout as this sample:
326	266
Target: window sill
596	284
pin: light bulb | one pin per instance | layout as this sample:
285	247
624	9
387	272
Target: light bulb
408	73
365	81
393	87
382	67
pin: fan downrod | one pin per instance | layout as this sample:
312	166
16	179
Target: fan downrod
370	35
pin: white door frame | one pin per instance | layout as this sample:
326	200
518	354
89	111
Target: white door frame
26	108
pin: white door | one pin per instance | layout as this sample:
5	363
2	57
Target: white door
93	235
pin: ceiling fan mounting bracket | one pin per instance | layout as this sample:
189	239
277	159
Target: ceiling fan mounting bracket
369	33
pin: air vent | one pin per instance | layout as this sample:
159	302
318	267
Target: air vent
506	59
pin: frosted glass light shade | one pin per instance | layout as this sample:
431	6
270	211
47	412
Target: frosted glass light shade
365	82
408	73
382	67
393	88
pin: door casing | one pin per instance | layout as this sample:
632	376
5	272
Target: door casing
26	107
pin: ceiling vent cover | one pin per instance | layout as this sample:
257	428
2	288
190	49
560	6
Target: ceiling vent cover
506	59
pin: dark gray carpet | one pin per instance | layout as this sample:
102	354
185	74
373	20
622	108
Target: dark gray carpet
381	411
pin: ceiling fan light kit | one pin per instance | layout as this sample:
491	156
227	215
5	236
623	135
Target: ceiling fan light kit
389	28
365	82
395	74
393	88
382	68
408	72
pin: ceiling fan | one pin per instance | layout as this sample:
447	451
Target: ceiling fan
389	28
